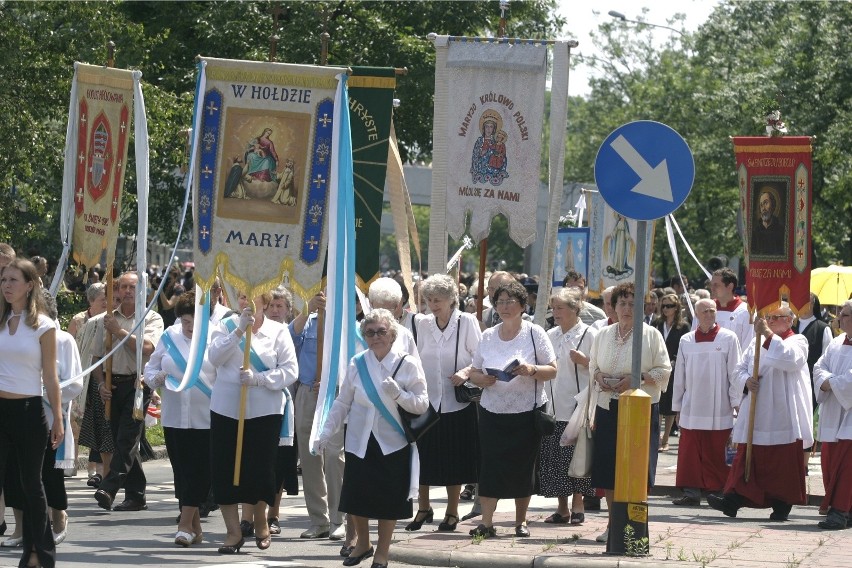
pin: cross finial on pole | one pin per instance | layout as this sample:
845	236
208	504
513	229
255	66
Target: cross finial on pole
504	5
110	54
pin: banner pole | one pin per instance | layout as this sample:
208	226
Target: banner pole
480	296
241	424
752	409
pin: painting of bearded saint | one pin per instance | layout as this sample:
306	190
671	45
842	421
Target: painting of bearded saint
619	247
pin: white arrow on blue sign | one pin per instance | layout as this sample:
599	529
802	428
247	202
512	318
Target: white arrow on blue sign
644	170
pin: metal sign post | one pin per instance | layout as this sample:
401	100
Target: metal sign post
644	170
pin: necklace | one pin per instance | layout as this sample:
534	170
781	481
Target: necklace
619	338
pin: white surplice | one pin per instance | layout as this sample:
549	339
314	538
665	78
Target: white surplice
835	406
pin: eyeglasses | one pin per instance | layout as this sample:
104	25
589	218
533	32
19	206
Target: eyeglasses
774	318
506	302
668	306
374	332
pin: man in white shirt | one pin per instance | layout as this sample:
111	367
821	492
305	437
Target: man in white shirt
833	386
611	317
782	424
705	395
731	312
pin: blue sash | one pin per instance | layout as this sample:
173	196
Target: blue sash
373	394
254	358
259	365
180	362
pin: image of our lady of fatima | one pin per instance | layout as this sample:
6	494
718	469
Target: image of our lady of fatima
769	219
489	162
263	149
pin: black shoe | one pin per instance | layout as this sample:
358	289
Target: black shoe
246	528
835	521
131	505
379	565
725	504
592	503
467	493
686	501
95	480
522	531
274	527
263	543
446	525
417	523
483	532
780	511
104	499
3	528
355	560
472	515
232	548
345	551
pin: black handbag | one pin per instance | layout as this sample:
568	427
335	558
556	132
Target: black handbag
415	425
545	422
467	391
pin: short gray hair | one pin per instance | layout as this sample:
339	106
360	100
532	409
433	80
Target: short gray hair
380	316
385	292
570	297
282	293
442	286
95	290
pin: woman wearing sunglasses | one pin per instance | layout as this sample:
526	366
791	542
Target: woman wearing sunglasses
672	325
378	479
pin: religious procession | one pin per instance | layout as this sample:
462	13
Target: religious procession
284	359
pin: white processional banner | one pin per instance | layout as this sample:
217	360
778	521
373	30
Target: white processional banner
494	115
262	175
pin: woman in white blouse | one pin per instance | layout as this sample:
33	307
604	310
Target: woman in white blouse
572	341
273	367
509	441
28	363
378	479
449	452
610	367
185	417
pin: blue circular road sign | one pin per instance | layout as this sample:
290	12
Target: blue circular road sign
644	170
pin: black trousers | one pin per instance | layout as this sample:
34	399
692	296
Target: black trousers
23	432
52	478
126	466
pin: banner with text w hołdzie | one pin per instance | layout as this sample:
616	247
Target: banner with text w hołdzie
774	178
370	113
612	246
494	112
99	127
263	165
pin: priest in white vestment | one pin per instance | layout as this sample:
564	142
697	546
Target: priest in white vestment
782	425
705	394
833	388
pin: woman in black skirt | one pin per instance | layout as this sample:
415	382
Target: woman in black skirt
673	327
509	441
274	354
378	481
185	418
449	452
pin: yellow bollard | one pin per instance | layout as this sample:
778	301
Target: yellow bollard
630	506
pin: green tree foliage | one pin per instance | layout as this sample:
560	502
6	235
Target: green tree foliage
39	42
711	85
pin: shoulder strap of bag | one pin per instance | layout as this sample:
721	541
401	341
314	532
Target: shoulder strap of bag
576	372
373	394
535	362
458	336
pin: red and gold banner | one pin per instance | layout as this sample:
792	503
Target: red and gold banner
104	103
774	176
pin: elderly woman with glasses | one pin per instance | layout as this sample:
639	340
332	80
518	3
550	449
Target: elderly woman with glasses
378	478
508	437
447	340
610	366
672	326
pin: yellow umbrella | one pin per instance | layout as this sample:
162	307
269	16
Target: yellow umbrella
832	284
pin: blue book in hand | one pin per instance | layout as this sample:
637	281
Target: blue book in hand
504	374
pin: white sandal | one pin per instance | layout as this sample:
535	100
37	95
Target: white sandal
184	539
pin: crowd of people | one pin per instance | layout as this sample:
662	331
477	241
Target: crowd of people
499	392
